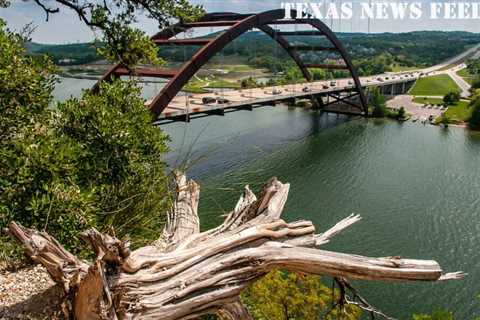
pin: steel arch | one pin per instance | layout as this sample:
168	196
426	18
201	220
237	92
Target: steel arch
237	24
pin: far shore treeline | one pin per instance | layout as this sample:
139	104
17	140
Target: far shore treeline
372	53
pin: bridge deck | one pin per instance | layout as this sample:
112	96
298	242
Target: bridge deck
238	99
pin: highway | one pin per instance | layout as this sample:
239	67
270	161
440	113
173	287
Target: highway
192	104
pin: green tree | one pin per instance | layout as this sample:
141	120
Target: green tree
476	82
120	40
90	162
474	122
401	113
451	98
377	103
287	295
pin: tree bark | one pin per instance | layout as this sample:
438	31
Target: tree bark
187	273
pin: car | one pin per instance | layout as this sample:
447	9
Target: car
350	82
222	101
333	83
306	89
380	79
325	87
276	91
387	78
208	100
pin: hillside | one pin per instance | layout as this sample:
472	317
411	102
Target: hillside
373	53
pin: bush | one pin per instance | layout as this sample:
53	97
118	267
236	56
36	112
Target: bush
476	82
288	295
401	113
451	98
92	162
474	122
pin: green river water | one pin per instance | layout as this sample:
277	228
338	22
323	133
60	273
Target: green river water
416	186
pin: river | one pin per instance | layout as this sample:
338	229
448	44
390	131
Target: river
416	186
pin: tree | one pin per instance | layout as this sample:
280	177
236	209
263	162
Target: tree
121	42
476	82
377	103
474	122
289	295
401	113
187	273
451	98
91	162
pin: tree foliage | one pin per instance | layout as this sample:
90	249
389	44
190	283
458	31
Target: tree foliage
89	162
377	104
476	82
474	122
451	98
287	295
115	18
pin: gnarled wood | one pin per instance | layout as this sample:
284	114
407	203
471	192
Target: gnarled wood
187	273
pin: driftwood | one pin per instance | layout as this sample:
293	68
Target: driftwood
187	273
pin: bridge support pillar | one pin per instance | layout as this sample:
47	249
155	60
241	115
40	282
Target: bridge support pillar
317	102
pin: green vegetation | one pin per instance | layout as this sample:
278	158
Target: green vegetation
67	54
428	101
377	104
457	113
436	315
451	98
474	121
466	75
91	162
285	295
374	53
200	85
438	85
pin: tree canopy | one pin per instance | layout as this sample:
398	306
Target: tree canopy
120	40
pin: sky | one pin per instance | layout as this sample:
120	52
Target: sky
64	27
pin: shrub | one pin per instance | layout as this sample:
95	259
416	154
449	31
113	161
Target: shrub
451	98
91	162
476	82
474	122
288	295
401	113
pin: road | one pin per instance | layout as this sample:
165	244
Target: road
192	103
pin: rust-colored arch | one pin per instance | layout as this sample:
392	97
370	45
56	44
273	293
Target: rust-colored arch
238	24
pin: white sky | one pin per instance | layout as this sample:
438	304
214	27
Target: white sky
64	27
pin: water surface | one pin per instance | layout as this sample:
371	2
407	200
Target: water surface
417	188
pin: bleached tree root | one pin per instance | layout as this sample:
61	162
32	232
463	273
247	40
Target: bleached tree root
187	273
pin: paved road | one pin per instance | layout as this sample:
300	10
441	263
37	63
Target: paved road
417	110
464	85
182	105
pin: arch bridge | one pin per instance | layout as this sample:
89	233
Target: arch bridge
162	105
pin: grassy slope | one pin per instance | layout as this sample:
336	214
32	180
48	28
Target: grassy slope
422	100
466	75
434	86
458	113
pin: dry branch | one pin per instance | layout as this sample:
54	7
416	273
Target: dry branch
186	273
